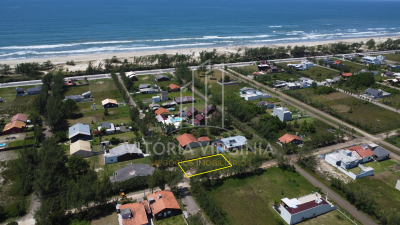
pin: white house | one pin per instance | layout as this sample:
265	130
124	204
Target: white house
378	60
295	210
122	152
110	129
307	64
376	93
282	113
251	94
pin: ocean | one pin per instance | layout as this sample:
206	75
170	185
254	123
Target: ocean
46	28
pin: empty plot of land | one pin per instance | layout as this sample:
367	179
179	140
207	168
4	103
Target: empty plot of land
204	165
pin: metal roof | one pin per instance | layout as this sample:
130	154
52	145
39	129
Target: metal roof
132	170
379	151
235	141
79	128
123	149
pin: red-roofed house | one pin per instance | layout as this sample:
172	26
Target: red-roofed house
192	112
163	204
19	117
188	141
201	120
290	138
365	155
338	63
296	209
204	141
346	75
174	87
135	213
208	110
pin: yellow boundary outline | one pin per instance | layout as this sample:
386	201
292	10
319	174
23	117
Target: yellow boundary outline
179	164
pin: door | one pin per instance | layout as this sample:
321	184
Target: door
165	214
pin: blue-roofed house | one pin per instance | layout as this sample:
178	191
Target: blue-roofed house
34	91
80	131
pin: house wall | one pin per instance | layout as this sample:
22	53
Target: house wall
13	130
128	156
164	213
110	159
192	145
366	159
380	158
398	185
80	137
309	213
110	105
33	92
204	143
83	153
286	216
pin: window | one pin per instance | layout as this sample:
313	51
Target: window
160	214
169	212
111	160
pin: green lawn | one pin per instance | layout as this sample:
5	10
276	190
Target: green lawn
381	166
319	73
116	115
354	67
109	220
394	139
388	120
393	57
20	143
258	193
331	218
245	70
174	220
116	166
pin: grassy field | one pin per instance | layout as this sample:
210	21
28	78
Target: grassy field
393	57
354	67
109	220
206	164
100	90
14	105
174	220
394	139
331	218
116	166
245	70
20	143
116	115
258	193
319	73
389	120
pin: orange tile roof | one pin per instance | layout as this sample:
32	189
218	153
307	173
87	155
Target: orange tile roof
167	201
162	111
355	148
287	138
139	215
337	62
201	139
20	117
17	123
185	139
347	74
173	86
361	151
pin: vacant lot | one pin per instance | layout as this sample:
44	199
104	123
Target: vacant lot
319	73
109	220
100	90
354	67
259	193
116	115
393	57
331	218
339	102
204	164
14	105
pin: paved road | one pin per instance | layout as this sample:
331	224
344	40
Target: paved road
344	204
28	218
189	203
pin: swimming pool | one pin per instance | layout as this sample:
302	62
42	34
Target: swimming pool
3	144
177	120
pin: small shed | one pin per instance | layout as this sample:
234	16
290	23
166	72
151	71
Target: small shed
81	148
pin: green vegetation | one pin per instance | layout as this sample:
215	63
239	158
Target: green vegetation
174	220
21	143
342	105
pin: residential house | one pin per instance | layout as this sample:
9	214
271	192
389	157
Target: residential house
143	86
137	213
346	75
162	78
109	103
34	91
263	65
164	96
188	141
376	93
265	104
338	63
162	111
79	131
20	117
70	83
174	87
19	92
163	204
364	155
75	98
328	61
131	171
87	94
273	69
349	57
14	127
280	84
169	104
122	153
378	60
204	141
309	206
343	158
81	148
161	118
110	129
379	152
199	120
307	64
156	99
184	100
388	74
231	143
153	106
131	75
251	94
147	90
282	113
208	110
393	66
290	138
192	112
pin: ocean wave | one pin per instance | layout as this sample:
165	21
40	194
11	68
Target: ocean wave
39	46
106	42
275	26
376	28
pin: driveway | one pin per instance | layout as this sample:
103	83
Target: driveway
28	218
189	203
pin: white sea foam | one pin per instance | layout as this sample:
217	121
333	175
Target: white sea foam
39	46
275	26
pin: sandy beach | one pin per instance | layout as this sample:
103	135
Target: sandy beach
81	61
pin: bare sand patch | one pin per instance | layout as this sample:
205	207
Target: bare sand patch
325	170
